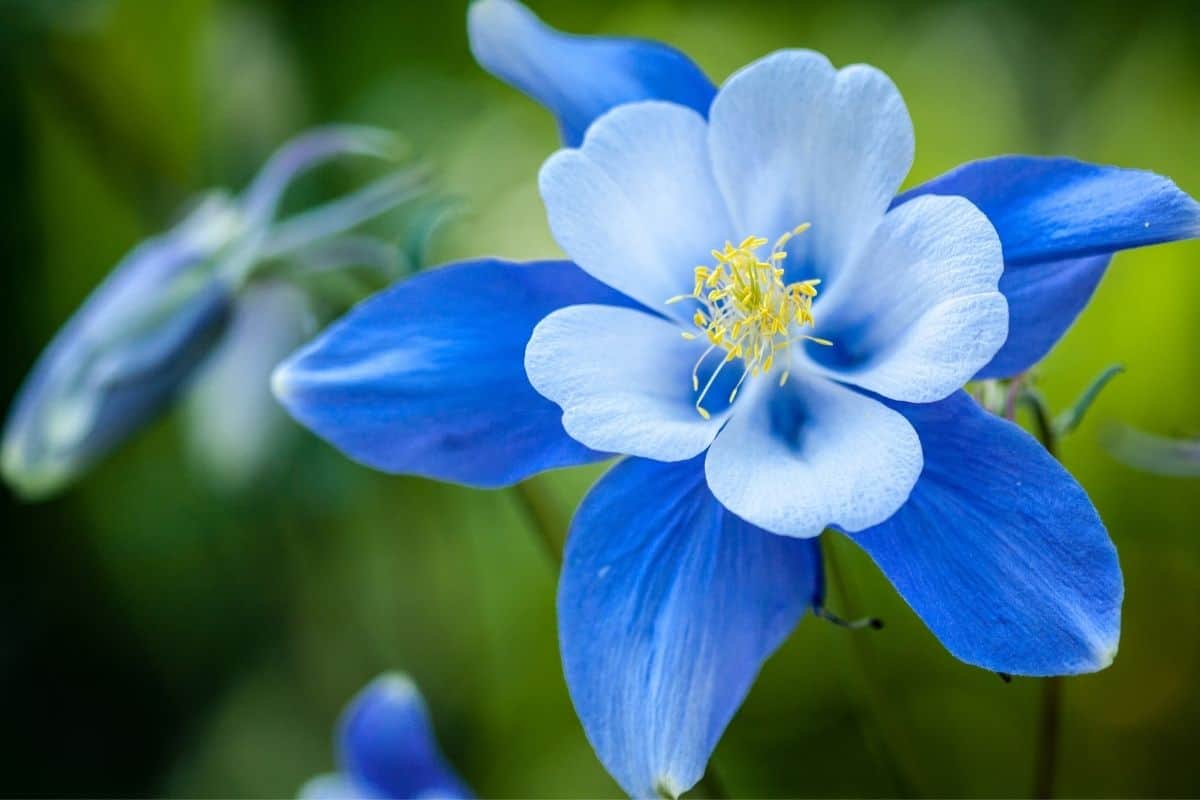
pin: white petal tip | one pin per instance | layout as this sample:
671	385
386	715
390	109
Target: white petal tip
281	385
395	685
1107	654
494	28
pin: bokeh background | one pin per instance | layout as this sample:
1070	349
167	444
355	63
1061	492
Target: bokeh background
166	630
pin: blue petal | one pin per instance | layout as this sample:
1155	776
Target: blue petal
387	745
1044	299
578	78
999	550
1058	220
427	377
668	606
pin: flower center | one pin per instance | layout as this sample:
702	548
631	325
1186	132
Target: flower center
747	310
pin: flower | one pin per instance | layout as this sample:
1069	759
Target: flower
144	333
760	394
386	748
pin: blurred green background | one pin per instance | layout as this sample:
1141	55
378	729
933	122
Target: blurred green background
165	633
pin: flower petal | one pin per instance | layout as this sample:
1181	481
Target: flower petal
387	743
667	607
797	459
636	206
999	550
578	78
1058	219
793	140
623	379
1044	299
919	311
427	377
335	787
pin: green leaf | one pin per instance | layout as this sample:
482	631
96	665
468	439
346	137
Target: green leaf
1070	418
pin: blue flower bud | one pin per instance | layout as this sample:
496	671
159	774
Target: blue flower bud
125	353
142	335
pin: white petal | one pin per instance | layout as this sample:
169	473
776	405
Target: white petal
920	311
623	379
794	141
636	206
797	459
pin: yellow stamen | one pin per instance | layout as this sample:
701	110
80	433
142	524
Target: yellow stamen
747	310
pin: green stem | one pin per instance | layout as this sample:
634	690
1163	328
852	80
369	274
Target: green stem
1042	421
890	743
710	786
540	512
1048	738
1050	710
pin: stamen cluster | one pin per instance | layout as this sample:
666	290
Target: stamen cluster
747	310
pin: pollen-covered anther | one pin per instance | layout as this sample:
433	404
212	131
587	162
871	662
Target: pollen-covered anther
748	311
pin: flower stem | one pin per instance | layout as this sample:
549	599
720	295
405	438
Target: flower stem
1048	736
1050	713
890	743
710	786
540	512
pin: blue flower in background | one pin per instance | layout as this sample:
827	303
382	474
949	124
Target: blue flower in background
143	334
386	748
761	392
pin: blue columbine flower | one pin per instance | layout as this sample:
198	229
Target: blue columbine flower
141	336
762	392
386	748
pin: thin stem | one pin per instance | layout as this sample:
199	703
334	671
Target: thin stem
710	786
1042	422
891	744
1010	400
1050	712
1048	738
539	512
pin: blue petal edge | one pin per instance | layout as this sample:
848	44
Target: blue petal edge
1059	221
578	78
428	377
667	607
999	550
